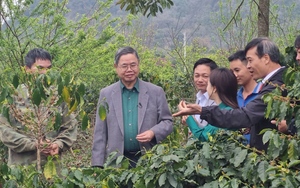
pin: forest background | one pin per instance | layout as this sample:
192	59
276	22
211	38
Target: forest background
83	36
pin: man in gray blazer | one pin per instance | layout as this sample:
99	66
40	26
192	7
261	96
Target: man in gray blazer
138	117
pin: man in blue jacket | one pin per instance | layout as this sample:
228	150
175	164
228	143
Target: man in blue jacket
249	88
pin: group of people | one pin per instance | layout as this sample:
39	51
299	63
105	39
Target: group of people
139	116
219	103
224	83
261	59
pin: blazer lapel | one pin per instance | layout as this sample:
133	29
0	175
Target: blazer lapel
143	101
117	105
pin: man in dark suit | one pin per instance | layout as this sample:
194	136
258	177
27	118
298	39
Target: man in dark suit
263	63
138	117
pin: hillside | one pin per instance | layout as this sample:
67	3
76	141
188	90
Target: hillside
203	22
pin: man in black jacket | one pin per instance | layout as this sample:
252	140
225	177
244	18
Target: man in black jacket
263	63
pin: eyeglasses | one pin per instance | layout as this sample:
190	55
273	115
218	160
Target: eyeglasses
125	67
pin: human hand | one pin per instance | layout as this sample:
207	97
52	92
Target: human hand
189	109
181	105
183	119
282	126
146	136
54	149
45	147
49	148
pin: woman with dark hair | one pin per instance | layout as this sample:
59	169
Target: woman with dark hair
221	88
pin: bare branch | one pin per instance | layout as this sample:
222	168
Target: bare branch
233	17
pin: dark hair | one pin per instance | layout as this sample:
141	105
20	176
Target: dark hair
239	55
264	46
297	42
206	61
226	84
124	51
35	54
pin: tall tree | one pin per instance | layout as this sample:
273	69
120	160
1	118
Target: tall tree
263	18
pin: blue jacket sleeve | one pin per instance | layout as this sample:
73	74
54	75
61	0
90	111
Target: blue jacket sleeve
200	133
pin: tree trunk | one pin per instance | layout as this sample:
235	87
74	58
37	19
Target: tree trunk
38	159
263	18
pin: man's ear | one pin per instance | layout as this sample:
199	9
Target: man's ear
115	65
266	59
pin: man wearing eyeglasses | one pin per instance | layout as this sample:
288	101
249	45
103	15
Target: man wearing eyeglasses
138	115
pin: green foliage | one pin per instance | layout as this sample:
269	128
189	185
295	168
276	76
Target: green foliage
3	153
289	58
44	90
286	107
35	102
103	110
221	162
85	47
144	6
50	170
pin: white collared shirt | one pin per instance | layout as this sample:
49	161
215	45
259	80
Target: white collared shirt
203	100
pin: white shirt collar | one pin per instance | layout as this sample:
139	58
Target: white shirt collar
200	95
203	99
270	75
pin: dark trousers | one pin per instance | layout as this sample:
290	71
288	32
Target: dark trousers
133	157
